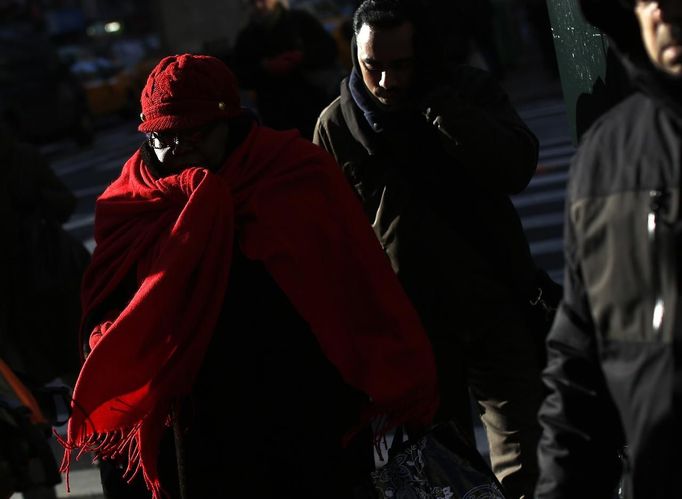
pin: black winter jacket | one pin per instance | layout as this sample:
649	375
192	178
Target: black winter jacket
295	99
452	178
33	203
293	30
437	191
613	368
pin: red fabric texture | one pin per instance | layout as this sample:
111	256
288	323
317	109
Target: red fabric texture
187	91
289	206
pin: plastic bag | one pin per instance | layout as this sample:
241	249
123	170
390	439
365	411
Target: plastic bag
440	464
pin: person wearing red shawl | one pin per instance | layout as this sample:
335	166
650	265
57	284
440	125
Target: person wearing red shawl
243	328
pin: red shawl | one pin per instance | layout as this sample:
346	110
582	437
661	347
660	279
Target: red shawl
288	205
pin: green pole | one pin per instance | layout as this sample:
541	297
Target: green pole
581	55
592	78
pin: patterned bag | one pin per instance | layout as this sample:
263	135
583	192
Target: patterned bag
441	464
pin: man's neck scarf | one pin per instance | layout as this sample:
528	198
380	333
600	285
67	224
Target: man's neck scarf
380	118
286	204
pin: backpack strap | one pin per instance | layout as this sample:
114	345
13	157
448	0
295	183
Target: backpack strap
23	395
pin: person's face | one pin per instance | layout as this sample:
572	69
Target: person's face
387	62
660	24
178	150
263	7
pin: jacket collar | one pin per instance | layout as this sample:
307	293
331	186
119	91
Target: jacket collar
658	85
618	21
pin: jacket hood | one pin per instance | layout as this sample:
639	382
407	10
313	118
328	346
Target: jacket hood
616	18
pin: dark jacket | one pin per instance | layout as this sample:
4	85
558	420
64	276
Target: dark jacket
293	30
39	316
613	370
295	99
267	413
437	191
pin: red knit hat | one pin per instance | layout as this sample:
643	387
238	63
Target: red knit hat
187	91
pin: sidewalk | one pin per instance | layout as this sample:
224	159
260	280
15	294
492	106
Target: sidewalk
83	478
85	484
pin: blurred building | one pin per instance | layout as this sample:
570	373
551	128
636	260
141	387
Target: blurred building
199	25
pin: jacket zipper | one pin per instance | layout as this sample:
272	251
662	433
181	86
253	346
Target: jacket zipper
658	201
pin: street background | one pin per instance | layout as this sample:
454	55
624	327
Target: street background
540	205
87	168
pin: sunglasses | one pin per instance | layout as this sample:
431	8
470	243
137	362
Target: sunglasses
164	140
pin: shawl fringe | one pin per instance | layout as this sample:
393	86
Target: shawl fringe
109	446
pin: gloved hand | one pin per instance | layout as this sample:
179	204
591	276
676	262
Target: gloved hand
284	63
439	104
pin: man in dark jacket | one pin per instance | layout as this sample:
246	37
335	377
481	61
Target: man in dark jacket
243	326
434	155
614	359
287	58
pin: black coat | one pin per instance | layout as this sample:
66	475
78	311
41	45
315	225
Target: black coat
614	362
438	197
293	100
268	411
38	319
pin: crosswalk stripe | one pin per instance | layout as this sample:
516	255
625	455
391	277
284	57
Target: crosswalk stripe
80	222
562	150
546	179
536	198
551	108
556	141
94	190
543	221
554	163
546	246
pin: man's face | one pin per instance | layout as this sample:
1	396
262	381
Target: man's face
263	7
661	27
387	59
204	147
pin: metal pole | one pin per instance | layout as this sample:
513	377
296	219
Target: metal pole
592	78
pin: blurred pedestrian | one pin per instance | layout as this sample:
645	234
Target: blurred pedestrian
244	327
39	315
434	153
614	367
40	305
291	63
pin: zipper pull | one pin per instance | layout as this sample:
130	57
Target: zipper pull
658	201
